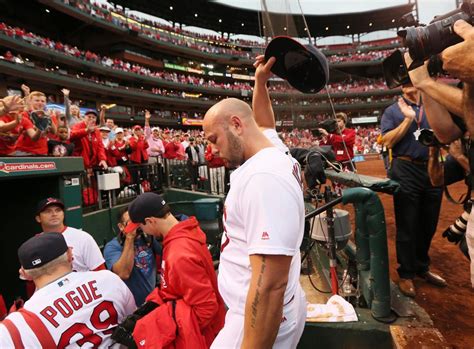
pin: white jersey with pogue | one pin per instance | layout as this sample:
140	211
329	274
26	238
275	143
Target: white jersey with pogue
263	214
79	310
86	253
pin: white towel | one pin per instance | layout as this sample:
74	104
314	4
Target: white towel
337	309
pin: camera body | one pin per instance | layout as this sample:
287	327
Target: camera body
428	138
425	43
330	125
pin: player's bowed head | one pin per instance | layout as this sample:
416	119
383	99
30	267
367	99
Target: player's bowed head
232	131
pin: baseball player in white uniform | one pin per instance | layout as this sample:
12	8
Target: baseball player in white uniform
69	309
263	229
87	255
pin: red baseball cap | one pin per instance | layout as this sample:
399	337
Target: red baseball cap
137	127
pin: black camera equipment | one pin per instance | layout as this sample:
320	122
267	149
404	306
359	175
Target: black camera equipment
428	138
424	42
395	70
330	125
147	239
456	232
123	333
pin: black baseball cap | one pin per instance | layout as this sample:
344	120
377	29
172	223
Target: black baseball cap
303	66
145	205
48	202
41	249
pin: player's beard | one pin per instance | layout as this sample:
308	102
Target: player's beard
235	157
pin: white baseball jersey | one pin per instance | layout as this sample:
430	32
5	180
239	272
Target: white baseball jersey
86	253
78	310
272	135
263	214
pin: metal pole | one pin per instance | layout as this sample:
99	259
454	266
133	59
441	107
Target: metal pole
331	242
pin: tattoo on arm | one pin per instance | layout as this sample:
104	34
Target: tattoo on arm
257	294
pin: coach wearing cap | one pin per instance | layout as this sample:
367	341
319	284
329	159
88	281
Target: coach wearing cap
188	275
87	255
67	308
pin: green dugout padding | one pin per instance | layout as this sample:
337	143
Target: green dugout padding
23	182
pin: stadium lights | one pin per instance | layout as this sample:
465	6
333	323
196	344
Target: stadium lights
370	24
243	24
348	27
220	20
47	10
393	20
171	8
327	28
284	28
195	15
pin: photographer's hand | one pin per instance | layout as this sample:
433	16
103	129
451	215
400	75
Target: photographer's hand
458	59
406	110
323	132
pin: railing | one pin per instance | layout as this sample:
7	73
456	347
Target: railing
134	180
181	174
137	179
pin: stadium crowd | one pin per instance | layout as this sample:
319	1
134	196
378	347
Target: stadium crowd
362	85
205	43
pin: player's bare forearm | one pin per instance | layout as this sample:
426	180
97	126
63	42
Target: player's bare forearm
262	106
261	102
468	107
264	306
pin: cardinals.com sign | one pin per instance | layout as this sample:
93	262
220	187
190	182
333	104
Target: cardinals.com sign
27	166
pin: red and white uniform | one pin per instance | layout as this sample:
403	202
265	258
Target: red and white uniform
263	214
78	310
86	253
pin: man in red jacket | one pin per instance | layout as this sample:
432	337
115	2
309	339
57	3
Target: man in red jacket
342	142
88	142
188	279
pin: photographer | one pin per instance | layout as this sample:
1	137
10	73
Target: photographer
134	257
401	124
342	142
458	60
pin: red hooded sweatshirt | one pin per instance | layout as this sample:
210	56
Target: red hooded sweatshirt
189	278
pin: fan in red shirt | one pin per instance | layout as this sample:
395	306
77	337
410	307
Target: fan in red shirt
139	145
46	123
88	142
342	142
12	125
